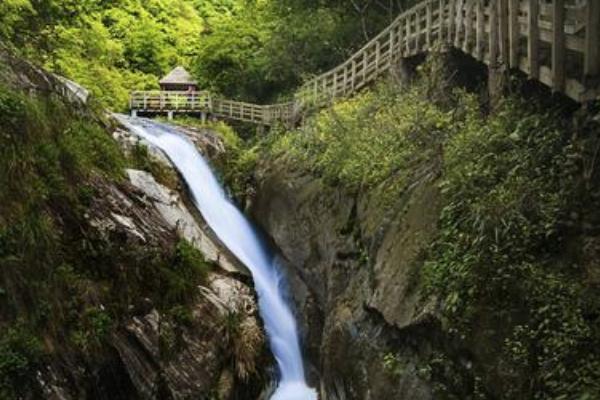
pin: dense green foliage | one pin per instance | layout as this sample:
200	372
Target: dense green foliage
502	260
247	49
506	265
260	51
20	354
108	47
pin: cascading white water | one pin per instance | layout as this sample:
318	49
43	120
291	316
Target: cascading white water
236	232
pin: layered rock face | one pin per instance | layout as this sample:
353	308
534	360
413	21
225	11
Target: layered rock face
153	356
211	347
353	268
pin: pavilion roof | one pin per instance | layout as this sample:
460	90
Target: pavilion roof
179	76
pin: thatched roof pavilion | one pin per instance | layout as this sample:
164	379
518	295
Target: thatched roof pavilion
178	79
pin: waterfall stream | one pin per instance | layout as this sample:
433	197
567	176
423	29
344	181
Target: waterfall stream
240	237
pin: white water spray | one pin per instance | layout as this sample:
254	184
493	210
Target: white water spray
236	232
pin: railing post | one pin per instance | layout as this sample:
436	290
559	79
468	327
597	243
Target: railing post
558	45
533	45
429	24
592	39
480	31
345	90
441	21
504	35
451	20
335	83
460	25
408	35
468	26
417	32
493	42
365	66
377	55
400	40
515	32
353	74
391	45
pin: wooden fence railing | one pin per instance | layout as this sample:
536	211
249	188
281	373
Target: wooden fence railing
205	103
556	42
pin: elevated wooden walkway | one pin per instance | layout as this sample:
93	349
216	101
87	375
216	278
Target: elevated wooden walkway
204	103
556	42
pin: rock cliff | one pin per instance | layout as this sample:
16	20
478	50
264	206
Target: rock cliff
207	343
353	269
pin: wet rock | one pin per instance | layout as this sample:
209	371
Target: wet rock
189	368
353	267
170	206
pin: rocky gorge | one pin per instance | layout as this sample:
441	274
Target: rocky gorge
354	270
465	270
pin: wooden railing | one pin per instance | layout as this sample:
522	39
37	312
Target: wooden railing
205	103
556	42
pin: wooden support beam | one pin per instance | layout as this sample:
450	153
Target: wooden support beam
503	22
429	23
480	40
345	88
392	50
592	39
417	33
558	46
458	22
493	39
468	26
451	19
408	35
515	32
335	84
514	28
533	45
400	44
442	20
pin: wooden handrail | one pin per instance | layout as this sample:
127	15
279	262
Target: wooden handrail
556	42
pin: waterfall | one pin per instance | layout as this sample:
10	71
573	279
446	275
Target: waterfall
240	237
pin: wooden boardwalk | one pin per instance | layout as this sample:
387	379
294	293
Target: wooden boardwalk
556	42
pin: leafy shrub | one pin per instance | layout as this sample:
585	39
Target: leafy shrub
142	160
509	289
370	139
20	355
181	279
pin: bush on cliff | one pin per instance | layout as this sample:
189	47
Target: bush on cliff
507	263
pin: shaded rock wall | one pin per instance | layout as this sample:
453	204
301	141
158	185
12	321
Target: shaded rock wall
353	268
